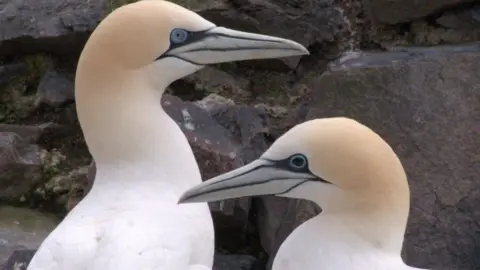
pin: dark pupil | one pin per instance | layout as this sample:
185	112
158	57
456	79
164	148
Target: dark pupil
298	161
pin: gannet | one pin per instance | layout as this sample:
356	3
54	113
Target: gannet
130	219
351	173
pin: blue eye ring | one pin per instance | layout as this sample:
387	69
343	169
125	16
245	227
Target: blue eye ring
178	35
297	162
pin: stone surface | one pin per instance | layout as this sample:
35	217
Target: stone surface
19	259
233	262
307	22
210	80
401	11
19	161
22	229
55	88
10	71
28	133
215	152
425	103
57	27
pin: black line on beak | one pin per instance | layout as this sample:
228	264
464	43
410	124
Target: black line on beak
258	183
279	164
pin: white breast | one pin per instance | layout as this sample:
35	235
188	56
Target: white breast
318	245
130	227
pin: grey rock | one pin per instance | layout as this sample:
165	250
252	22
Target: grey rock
10	71
213	102
209	80
216	153
402	11
19	259
57	27
21	166
29	133
233	262
425	103
55	88
461	19
205	135
22	229
307	22
248	125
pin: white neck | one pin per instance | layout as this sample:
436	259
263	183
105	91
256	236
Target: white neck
380	222
336	242
132	139
384	232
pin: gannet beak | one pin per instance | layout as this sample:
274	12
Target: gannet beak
260	177
219	44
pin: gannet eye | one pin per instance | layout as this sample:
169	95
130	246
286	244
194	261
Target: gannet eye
178	35
297	162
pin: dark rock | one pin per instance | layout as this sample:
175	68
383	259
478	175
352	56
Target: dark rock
213	102
402	11
55	88
30	134
8	72
21	232
248	126
216	153
425	103
277	217
209	80
461	19
19	259
233	262
307	22
21	166
47	26
212	143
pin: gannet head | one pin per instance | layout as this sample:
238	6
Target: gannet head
168	42
134	54
338	163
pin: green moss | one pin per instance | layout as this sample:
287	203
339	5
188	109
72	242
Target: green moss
51	162
37	65
16	99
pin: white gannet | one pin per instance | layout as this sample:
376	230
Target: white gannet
130	219
351	173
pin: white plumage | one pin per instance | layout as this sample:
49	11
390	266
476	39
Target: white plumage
130	219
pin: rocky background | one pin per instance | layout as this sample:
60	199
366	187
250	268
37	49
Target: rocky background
409	69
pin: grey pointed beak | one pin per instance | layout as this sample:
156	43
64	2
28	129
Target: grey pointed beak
260	177
219	44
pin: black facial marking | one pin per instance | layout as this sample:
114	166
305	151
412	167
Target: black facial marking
296	163
181	37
